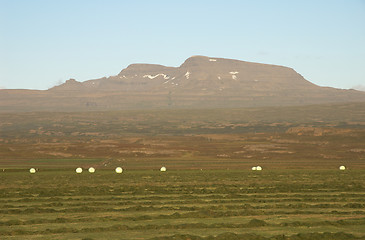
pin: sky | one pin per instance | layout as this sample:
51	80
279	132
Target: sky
46	42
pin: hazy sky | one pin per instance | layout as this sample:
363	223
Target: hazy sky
43	43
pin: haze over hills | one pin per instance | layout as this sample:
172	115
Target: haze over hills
200	82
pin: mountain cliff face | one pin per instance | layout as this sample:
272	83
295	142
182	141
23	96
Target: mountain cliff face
200	82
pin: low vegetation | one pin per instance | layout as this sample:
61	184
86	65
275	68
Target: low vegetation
324	136
190	204
208	191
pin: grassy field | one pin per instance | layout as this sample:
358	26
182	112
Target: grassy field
189	204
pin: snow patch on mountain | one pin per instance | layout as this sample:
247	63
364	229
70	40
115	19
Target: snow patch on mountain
234	77
155	76
187	75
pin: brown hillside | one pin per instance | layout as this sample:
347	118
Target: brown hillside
200	82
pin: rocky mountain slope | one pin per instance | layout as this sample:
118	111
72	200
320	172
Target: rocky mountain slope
200	82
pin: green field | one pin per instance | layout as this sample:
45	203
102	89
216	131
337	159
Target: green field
188	204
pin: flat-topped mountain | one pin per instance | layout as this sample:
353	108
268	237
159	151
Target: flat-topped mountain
197	74
200	82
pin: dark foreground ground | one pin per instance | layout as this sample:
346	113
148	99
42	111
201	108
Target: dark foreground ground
189	204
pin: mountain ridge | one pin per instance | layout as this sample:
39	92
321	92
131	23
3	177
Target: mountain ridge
199	82
196	68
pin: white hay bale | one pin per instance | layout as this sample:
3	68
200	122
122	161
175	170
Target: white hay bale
32	170
119	170
342	168
78	170
254	168
258	168
163	169
91	170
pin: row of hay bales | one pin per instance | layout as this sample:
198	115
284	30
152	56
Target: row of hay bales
259	168
92	170
162	169
117	170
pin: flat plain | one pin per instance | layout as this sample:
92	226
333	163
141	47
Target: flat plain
318	136
208	190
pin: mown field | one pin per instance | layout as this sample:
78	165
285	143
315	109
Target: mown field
189	204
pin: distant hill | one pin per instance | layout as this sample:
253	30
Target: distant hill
200	82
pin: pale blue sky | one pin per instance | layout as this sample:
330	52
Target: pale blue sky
43	43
